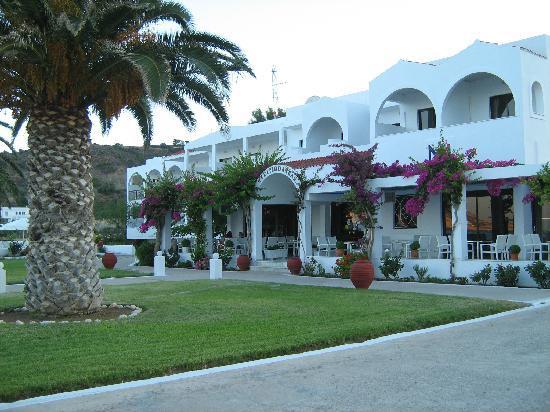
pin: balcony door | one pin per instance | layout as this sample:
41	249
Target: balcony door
426	118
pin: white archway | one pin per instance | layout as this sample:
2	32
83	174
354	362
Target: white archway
405	110
154	175
321	132
477	97
176	172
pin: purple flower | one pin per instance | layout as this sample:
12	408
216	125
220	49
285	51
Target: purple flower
179	186
494	187
414	206
176	216
529	198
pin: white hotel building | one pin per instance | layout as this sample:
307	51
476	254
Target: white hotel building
489	96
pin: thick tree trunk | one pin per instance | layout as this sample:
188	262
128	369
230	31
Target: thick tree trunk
63	274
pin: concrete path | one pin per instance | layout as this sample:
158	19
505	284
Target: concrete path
486	292
495	365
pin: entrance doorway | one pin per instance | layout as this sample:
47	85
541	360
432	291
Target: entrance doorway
279	220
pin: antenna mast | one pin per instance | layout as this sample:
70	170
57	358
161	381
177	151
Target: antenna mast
275	85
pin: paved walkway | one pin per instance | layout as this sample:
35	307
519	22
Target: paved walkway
487	292
496	365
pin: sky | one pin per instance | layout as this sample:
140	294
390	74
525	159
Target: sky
331	48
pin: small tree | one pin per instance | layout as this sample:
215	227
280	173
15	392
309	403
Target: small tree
258	115
353	169
540	186
235	183
304	183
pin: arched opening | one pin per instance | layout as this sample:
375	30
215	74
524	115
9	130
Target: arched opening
478	97
135	187
176	172
154	176
405	110
324	131
537	99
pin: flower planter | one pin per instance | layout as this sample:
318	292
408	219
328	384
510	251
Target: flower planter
362	274
109	260
414	254
243	262
514	256
340	252
294	265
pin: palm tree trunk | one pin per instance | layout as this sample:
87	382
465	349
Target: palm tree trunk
63	274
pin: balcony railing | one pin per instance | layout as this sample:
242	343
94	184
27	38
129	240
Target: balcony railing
135	195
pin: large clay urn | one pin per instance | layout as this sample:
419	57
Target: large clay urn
109	260
294	265
243	262
362	274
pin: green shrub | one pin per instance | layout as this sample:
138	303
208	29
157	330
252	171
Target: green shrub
172	257
540	273
145	252
15	248
507	275
343	264
186	264
314	268
421	272
461	280
340	245
390	266
483	275
515	249
199	252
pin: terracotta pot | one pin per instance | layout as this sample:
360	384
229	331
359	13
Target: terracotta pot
109	260
294	265
340	252
514	256
243	262
414	254
362	274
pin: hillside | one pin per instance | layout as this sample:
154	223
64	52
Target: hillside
109	175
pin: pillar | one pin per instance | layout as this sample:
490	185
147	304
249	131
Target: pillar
282	137
377	251
166	236
245	144
304	226
325	224
256	231
460	234
523	219
186	160
213	158
209	233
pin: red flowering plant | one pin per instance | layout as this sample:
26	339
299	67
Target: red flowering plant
343	264
162	197
353	169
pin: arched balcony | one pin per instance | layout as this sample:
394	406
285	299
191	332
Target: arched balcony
135	187
405	110
324	131
176	172
154	175
478	97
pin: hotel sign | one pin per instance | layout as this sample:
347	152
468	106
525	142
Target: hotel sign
284	170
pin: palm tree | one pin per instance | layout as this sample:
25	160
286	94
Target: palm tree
61	60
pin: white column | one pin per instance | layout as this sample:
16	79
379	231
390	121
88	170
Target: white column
245	144
213	158
460	234
523	219
2	278
186	160
209	233
282	137
377	251
304	226
166	236
256	231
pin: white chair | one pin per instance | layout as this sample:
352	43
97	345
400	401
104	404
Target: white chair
534	246
322	245
495	250
443	247
331	241
425	246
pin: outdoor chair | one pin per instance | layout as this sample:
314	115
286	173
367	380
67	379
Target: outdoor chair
534	246
322	245
425	246
497	250
443	247
331	241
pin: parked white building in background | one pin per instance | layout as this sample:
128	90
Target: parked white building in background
9	214
490	97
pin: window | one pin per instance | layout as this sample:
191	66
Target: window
401	219
502	105
226	160
537	101
426	118
300	143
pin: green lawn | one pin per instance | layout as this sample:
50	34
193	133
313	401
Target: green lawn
16	271
199	324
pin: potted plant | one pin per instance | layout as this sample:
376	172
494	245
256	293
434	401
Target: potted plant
514	252
294	265
362	272
243	262
414	249
109	260
185	245
340	248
